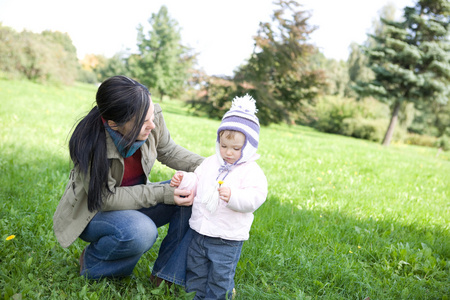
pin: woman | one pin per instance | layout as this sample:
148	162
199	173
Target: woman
108	201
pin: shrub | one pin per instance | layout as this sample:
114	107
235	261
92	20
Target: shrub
215	99
443	142
86	76
367	119
372	130
421	140
332	111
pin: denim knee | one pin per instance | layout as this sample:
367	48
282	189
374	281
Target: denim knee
139	235
118	234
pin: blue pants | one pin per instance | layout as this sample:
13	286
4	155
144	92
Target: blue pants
118	239
211	265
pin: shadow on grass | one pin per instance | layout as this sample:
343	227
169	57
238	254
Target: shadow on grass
295	253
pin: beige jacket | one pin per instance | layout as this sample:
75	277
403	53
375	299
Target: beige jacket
72	215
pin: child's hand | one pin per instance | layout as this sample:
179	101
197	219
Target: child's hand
176	179
225	193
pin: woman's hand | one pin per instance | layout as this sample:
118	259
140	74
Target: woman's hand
183	197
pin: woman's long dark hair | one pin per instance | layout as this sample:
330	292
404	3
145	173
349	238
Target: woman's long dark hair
121	100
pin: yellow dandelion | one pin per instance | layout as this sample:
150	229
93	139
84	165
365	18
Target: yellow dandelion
10	237
220	182
359	247
319	178
321	216
350	251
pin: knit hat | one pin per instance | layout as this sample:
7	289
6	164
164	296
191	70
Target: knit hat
241	117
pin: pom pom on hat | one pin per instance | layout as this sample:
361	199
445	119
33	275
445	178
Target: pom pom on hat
241	117
245	103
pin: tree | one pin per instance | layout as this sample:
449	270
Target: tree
410	59
162	63
9	41
65	63
109	67
282	73
337	74
357	60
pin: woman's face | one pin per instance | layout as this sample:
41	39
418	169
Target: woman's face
146	127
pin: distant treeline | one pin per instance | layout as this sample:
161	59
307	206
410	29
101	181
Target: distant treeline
45	57
394	86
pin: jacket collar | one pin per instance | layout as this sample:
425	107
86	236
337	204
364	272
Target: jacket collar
112	152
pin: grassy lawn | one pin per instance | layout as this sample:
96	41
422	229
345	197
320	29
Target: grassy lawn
344	218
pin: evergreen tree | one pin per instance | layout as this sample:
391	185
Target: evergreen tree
162	63
358	70
410	59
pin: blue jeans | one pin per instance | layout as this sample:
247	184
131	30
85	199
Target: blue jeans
118	239
211	265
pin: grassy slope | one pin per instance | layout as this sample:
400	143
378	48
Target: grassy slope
344	218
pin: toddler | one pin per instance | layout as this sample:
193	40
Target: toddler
228	187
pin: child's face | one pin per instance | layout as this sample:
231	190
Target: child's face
230	149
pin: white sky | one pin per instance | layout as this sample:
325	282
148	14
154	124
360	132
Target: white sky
221	31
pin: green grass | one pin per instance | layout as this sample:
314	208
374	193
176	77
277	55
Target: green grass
344	218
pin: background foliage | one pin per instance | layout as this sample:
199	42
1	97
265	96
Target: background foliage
46	57
404	65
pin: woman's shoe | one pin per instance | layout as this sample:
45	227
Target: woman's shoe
157	281
82	260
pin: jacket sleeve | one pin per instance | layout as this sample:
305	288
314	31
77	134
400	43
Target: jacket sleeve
138	196
168	152
251	194
132	197
189	182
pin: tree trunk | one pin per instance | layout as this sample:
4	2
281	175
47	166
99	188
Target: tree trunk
161	93
390	130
